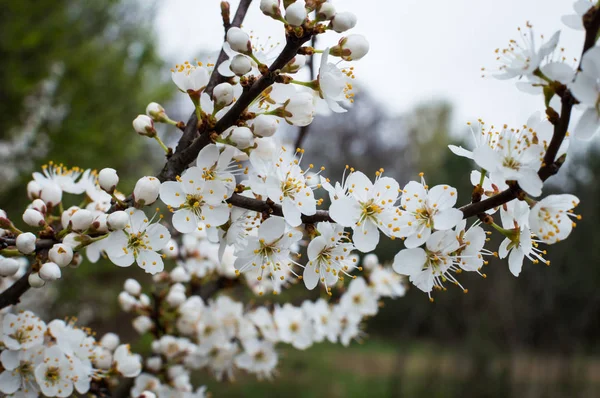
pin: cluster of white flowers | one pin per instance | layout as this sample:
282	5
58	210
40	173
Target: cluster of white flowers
245	204
57	358
223	334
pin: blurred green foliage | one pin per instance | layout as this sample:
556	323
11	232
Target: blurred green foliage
102	57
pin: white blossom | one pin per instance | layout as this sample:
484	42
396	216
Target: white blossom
138	242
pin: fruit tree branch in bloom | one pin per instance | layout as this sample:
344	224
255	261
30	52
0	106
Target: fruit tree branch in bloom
191	129
179	161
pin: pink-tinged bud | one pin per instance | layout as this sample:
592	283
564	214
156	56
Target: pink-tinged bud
146	190
108	179
239	40
144	125
25	243
34	218
343	21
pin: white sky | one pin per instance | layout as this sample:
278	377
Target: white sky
420	50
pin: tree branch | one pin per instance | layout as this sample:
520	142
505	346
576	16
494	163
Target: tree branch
180	159
551	165
12	295
274	209
191	128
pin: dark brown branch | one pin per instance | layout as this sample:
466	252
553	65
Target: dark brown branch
274	209
191	128
12	295
179	161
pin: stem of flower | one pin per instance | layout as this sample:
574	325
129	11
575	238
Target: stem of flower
162	144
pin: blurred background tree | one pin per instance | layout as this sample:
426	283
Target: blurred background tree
73	76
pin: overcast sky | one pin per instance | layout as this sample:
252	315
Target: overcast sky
420	50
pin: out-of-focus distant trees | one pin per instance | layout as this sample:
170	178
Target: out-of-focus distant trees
73	76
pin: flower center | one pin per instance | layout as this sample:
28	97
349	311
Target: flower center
52	374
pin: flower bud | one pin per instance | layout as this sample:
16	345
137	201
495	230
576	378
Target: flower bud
142	324
242	137
370	261
175	298
61	254
325	12
118	220
144	300
127	301
8	266
144	125
35	281
132	287
179	274
51	194
157	112
100	223
81	220
265	125
296	13
239	40
103	358
33	218
295	64
342	21
300	109
154	363
271	8
147	394
351	48
146	190
240	65
33	189
50	271
65	217
110	341
223	94
108	179
26	243
39	205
